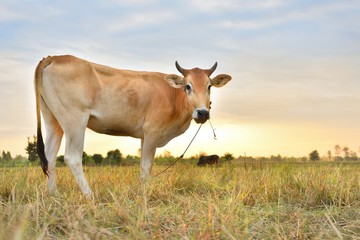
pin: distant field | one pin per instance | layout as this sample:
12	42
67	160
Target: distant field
231	201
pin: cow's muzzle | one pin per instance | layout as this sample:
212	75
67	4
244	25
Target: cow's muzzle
201	115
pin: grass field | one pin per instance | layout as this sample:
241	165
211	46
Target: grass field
261	201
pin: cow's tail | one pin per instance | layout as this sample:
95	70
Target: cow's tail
40	142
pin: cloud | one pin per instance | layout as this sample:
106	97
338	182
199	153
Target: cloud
11	11
285	16
235	5
7	14
129	2
139	20
249	24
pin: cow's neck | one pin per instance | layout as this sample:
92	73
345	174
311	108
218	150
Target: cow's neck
180	120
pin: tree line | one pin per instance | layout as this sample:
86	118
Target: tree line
341	154
115	157
112	157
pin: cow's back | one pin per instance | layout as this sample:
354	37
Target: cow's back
116	102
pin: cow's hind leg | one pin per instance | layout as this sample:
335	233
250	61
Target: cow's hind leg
54	134
73	156
51	149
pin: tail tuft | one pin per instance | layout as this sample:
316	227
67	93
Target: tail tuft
41	152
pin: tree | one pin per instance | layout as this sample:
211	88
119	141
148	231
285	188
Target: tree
131	160
98	158
6	156
346	152
353	156
329	155
228	156
31	149
276	158
86	159
19	158
113	157
337	150
314	155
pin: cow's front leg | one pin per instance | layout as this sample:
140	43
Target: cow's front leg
148	149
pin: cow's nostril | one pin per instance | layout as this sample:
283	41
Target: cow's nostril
203	114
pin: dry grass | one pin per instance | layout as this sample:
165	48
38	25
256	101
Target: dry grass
273	201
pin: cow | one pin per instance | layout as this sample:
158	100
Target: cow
212	159
73	94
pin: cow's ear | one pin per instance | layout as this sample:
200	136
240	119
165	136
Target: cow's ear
220	80
175	80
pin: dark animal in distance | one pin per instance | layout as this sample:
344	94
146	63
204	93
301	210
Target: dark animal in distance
212	159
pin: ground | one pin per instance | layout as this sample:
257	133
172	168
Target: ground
259	200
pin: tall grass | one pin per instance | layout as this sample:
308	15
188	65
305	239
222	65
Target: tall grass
269	201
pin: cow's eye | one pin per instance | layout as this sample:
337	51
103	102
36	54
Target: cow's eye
209	88
188	87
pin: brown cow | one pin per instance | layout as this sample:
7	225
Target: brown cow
212	159
73	94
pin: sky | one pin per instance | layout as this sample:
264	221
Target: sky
295	67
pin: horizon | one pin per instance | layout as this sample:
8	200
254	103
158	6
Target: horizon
295	67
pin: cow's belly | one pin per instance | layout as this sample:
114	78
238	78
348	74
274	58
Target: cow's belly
116	126
129	123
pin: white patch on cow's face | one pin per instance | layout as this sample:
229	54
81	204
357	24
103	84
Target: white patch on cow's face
197	90
208	88
188	89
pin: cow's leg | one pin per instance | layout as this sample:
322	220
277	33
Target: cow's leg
73	156
148	149
54	134
52	145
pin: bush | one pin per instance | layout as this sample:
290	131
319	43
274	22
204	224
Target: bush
98	158
314	156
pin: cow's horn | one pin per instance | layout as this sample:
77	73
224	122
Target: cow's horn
212	69
180	69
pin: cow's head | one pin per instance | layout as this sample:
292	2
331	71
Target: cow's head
196	84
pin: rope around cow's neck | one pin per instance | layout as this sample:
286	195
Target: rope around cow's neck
182	155
213	129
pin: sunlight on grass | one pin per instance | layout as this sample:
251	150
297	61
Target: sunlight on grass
272	201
